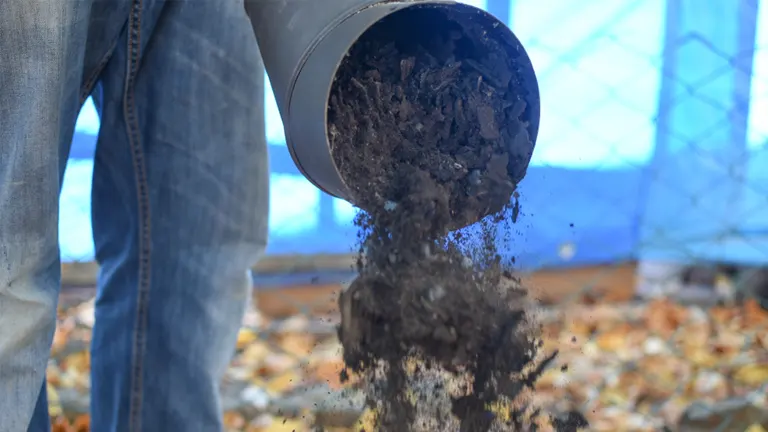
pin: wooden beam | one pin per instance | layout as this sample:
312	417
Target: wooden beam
85	273
609	283
605	283
302	299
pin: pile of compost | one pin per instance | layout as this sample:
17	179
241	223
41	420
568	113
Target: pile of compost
429	131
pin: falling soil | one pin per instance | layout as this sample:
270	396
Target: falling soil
430	133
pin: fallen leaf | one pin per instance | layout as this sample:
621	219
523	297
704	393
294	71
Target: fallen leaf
754	374
284	425
613	340
629	369
234	420
246	337
702	357
61	424
664	317
330	372
755	315
82	424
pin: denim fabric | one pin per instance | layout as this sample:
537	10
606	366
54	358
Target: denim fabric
179	200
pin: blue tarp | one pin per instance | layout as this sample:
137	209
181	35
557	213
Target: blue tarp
649	146
706	186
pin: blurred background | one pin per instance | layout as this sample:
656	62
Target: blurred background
643	230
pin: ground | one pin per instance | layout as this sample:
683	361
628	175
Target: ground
628	367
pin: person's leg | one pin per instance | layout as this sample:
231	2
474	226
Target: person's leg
179	214
42	45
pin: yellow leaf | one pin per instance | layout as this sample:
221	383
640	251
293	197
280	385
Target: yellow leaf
755	428
702	358
613	397
755	374
53	395
55	411
245	338
285	425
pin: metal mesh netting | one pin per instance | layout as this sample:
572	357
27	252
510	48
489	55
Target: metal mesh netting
644	232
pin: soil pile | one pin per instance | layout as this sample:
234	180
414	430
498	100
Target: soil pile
429	131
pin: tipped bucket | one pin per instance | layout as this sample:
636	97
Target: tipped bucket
303	43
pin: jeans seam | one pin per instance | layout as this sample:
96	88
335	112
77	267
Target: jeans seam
140	171
87	87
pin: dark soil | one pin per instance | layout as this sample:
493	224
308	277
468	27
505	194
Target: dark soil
429	131
435	102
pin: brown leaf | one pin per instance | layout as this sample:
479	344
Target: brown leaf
82	424
664	317
330	372
61	424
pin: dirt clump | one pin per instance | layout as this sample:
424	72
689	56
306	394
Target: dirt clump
430	132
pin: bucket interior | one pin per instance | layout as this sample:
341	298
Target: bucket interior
477	34
440	88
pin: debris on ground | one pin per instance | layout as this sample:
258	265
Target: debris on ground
638	367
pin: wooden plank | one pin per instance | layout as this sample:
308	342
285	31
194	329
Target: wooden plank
606	283
85	273
610	284
614	283
305	299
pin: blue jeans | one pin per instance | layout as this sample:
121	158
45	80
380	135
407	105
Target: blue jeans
179	200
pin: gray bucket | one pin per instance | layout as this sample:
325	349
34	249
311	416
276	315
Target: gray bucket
303	43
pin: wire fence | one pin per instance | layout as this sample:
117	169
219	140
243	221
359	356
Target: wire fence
648	191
